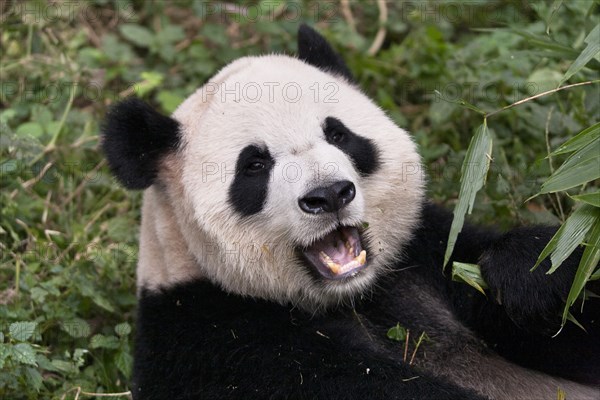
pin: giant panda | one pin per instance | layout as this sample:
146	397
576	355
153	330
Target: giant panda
285	231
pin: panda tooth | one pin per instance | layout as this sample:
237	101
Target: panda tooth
361	258
337	268
334	267
324	257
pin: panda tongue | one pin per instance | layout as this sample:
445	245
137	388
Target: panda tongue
338	254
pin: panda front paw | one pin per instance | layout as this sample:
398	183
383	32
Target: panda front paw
533	300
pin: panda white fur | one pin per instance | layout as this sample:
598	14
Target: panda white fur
283	235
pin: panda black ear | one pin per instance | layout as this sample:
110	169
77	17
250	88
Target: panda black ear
134	139
314	49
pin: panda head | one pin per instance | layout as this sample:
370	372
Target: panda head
285	181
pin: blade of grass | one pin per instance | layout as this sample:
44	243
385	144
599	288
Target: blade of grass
473	175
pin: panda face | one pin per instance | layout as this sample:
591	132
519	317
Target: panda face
295	195
277	179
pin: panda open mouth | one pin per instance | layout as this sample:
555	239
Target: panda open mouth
338	254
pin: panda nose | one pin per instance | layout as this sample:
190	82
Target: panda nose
328	198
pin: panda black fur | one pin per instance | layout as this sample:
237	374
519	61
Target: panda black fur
232	303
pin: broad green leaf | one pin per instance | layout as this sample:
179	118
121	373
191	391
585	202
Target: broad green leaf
469	274
171	33
123	329
544	79
569	236
22	331
580	140
589	198
104	342
592	49
64	366
7	115
124	362
581	167
397	333
33	378
34	129
23	353
136	34
589	262
76	327
473	174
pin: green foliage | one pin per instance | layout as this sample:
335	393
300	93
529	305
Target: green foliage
583	225
580	168
473	174
591	50
569	236
469	274
67	239
397	333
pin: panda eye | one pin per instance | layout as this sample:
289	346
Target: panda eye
255	166
335	136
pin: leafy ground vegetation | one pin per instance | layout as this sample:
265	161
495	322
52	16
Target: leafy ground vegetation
68	237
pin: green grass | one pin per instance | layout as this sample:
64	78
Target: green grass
68	237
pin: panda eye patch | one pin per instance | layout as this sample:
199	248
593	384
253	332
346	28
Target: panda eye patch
248	191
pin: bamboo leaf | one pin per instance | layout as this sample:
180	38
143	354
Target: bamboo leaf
591	50
581	167
587	265
545	42
473	174
569	236
469	274
589	198
571	318
580	140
